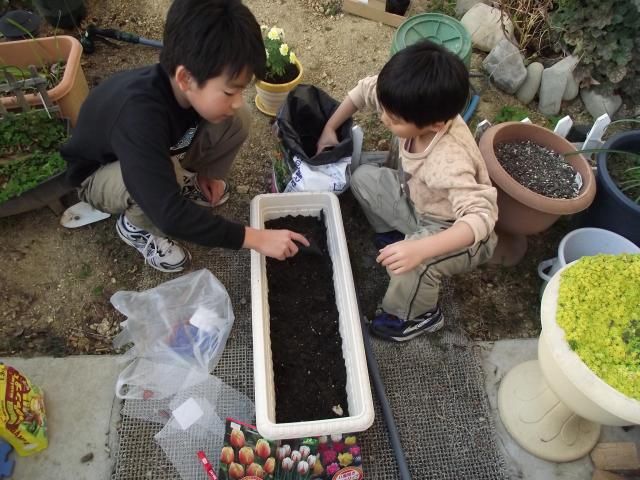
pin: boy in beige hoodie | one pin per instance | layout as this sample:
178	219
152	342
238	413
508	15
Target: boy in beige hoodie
434	216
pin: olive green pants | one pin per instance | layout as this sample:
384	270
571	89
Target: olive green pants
211	153
411	294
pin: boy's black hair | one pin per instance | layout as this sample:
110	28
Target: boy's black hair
423	83
212	37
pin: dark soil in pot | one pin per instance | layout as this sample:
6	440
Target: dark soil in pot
539	169
309	371
290	73
627	180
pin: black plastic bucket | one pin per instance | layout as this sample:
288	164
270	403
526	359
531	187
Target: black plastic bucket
612	209
62	13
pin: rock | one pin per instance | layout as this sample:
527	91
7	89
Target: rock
506	66
242	189
86	458
463	6
571	90
598	103
485	25
528	90
553	85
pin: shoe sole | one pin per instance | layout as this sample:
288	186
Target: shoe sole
433	328
222	201
157	267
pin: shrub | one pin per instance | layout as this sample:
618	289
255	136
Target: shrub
603	33
530	19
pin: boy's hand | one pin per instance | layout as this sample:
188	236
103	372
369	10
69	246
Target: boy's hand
402	256
277	244
211	188
328	138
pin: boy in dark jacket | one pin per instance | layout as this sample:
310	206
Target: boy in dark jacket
155	144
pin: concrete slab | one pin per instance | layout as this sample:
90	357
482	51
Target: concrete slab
82	412
497	359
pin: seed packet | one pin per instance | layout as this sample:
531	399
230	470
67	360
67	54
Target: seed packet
248	456
22	417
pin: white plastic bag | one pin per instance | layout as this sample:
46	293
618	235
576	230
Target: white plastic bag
178	330
332	177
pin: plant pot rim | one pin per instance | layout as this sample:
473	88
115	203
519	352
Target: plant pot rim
72	64
607	182
282	87
522	131
580	375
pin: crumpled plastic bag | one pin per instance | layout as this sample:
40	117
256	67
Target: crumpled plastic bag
178	329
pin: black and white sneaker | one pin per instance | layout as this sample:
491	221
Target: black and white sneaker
191	190
160	252
390	327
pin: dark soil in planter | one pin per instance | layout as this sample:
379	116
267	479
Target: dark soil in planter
618	166
538	169
309	370
290	73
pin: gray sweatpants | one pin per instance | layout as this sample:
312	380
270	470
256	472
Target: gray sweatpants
211	153
411	294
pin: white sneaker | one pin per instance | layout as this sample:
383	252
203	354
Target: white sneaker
191	190
159	252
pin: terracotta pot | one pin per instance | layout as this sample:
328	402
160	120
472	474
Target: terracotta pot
270	96
72	88
521	211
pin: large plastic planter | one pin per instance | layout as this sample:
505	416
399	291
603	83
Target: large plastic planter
612	209
72	88
271	206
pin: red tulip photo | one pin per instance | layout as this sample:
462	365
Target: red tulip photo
246	455
270	465
236	471
236	439
256	470
263	449
227	456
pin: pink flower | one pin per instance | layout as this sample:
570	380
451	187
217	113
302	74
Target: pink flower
355	451
333	468
328	456
338	446
323	447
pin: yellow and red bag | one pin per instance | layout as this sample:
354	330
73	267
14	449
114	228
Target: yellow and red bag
22	417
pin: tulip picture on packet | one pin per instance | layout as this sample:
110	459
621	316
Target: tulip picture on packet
246	455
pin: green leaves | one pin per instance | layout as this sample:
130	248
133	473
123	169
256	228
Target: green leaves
29	156
603	34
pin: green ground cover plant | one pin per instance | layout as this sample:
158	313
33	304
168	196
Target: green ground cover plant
29	151
599	310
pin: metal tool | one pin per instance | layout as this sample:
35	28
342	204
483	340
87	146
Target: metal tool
93	34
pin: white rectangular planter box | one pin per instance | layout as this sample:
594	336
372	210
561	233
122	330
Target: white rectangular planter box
360	403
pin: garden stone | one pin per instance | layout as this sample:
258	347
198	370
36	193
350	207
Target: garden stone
597	103
571	90
463	6
485	25
506	66
553	85
527	91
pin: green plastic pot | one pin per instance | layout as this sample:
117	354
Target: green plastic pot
438	28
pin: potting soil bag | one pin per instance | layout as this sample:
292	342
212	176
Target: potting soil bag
23	422
298	125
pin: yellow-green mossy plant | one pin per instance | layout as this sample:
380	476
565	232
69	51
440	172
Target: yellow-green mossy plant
599	310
